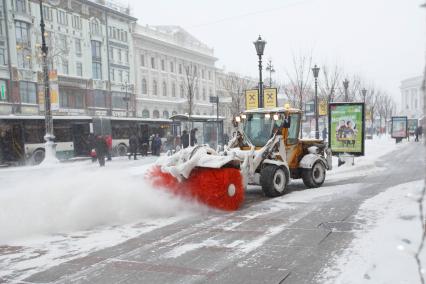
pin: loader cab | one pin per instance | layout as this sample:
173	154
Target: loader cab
260	126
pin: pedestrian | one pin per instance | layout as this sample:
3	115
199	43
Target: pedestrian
185	139
92	145
157	144
193	140
108	140
101	148
144	143
324	133
133	146
417	132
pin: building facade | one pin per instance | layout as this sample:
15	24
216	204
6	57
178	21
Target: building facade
168	62
89	57
412	99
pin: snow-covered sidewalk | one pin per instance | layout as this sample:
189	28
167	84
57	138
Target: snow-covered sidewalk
383	251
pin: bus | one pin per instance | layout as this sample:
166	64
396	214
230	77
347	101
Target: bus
22	136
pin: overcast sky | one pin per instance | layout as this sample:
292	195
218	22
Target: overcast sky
381	40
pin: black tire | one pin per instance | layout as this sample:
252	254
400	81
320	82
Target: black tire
274	180
37	157
315	176
121	150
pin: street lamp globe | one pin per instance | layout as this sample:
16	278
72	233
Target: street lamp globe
260	46
316	70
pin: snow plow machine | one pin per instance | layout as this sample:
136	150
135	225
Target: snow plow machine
266	151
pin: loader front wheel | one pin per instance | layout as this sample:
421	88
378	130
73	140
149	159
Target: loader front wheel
273	180
315	176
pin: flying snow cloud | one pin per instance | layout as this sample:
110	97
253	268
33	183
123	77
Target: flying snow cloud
41	201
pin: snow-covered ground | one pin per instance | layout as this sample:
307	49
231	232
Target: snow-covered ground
52	214
383	251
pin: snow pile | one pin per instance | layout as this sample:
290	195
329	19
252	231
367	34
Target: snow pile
384	252
67	198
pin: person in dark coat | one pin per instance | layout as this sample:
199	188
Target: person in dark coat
193	136
417	132
185	139
101	148
92	145
324	133
157	145
144	141
133	146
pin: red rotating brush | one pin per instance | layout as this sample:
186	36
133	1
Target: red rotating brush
219	188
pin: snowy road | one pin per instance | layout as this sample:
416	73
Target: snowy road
297	238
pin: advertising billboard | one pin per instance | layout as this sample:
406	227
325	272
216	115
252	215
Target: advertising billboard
346	124
399	127
412	125
252	99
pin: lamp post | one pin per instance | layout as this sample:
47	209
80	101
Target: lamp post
346	86
48	137
364	93
127	87
260	47
315	70
270	68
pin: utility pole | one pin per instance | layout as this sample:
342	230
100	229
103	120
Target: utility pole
270	68
346	86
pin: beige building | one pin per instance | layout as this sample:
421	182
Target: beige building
412	99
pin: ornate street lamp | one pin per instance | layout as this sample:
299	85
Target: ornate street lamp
346	86
260	47
48	122
270	68
315	71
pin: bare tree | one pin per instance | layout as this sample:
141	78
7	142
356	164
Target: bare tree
329	82
385	108
298	89
58	50
235	86
190	82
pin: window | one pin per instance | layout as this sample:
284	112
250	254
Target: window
120	75
76	22
163	67
197	93
99	98
173	90
71	98
164	89
20	6
24	58
63	43
210	75
202	73
27	91
96	50
119	55
78	47
125	37
204	94
47	13
126	57
2	56
112	74
145	113
195	71
156	114
3	90
172	67
154	88
111	53
62	17
126	76
180	68
152	62
142	60
166	114
79	69
65	67
118	100
22	33
97	70
181	91
94	27
144	87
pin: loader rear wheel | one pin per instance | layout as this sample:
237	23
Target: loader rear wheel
315	176
273	180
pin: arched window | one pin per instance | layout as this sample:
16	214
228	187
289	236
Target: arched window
204	94
166	114
181	91
95	27
145	113
156	114
174	112
144	87
164	89
154	88
173	90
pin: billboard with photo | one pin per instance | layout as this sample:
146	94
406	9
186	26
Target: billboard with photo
399	127
346	124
